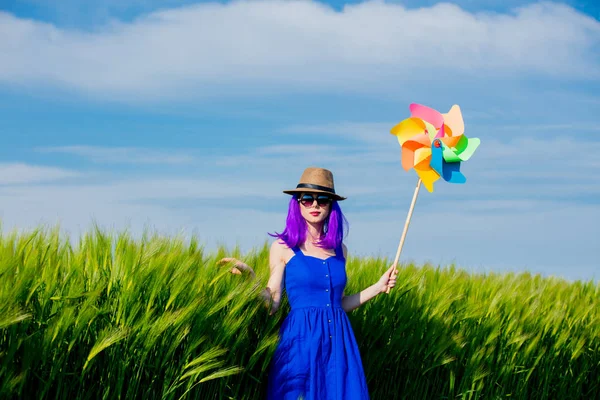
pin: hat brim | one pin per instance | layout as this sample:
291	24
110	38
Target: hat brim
309	190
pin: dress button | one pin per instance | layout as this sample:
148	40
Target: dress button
329	321
327	290
330	336
327	305
326	276
323	262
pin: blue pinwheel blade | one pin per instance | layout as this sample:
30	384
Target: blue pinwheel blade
450	172
437	159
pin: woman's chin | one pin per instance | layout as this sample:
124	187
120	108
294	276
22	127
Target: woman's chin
316	220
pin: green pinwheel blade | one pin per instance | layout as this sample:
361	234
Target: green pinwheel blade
449	154
466	147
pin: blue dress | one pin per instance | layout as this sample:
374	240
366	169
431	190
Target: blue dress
317	357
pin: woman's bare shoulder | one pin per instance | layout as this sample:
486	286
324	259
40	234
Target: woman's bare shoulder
281	251
278	246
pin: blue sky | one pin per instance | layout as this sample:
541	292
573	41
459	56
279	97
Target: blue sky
192	117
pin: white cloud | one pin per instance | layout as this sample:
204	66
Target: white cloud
18	173
126	155
192	51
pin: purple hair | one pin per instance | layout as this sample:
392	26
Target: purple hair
294	234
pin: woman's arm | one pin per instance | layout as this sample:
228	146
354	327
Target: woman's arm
272	293
387	280
277	265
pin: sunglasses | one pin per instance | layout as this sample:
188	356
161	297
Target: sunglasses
307	200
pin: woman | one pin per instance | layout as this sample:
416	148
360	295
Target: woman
317	356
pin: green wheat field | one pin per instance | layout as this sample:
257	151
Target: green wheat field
113	317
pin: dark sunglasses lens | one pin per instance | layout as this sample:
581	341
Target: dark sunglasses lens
323	200
307	201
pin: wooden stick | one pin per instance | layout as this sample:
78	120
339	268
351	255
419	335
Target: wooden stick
406	224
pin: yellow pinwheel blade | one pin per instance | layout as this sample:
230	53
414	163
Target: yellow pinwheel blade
431	131
407	129
422	155
427	175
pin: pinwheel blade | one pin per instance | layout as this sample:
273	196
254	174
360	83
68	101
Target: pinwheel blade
407	129
444	130
451	141
427	175
409	149
427	114
450	171
431	130
407	157
454	120
437	159
466	147
422	156
450	155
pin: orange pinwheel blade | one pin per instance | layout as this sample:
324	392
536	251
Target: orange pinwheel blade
410	147
451	141
408	158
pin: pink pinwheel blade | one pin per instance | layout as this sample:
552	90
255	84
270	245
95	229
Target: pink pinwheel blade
427	114
442	131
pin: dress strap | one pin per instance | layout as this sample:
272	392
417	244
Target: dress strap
296	250
339	251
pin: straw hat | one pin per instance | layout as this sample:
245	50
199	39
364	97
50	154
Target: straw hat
316	180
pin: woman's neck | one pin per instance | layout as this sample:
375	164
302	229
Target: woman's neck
314	232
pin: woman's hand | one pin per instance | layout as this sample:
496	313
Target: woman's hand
238	266
388	280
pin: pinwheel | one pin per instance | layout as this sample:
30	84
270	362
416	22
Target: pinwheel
434	144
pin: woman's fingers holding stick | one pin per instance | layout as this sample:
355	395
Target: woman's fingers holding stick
238	266
388	279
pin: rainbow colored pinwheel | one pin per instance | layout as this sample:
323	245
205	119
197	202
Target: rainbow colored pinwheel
434	144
